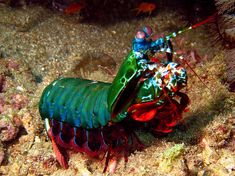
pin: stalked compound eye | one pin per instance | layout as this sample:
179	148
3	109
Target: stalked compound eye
147	30
140	36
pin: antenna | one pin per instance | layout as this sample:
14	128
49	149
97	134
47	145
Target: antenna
174	34
186	62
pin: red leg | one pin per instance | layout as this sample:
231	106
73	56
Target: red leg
59	155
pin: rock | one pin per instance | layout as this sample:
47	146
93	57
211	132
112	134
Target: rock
230	60
2	154
226	20
8	130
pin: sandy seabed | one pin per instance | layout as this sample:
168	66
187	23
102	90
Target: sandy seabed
38	46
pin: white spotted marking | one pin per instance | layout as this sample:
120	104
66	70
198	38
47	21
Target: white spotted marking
47	124
48	93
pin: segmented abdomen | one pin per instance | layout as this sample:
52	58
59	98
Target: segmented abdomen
78	102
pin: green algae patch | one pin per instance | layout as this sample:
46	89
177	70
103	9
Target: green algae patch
170	156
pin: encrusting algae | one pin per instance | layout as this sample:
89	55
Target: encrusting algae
170	157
